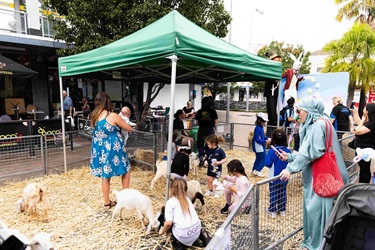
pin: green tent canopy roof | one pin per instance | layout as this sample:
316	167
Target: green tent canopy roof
144	56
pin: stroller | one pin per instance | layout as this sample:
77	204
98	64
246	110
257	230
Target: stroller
351	224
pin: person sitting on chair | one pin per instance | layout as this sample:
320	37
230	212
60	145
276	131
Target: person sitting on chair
183	138
189	109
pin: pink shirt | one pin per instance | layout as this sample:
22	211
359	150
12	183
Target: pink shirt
242	185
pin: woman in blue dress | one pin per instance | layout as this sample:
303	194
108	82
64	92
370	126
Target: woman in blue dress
108	154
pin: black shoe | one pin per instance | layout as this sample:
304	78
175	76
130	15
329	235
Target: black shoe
224	210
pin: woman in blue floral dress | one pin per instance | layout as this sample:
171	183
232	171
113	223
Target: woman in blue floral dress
108	154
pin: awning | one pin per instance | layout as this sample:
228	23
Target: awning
10	68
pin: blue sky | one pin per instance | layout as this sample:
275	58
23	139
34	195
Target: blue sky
310	23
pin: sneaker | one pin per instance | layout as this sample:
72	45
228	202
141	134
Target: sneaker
283	213
271	214
224	210
209	193
257	173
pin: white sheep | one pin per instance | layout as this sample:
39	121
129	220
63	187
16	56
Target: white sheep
131	199
161	168
194	192
33	194
41	241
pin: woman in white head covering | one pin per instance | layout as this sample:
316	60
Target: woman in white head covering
316	209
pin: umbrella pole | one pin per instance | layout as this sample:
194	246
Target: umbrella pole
62	121
170	124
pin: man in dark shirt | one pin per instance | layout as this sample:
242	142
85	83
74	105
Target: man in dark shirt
341	117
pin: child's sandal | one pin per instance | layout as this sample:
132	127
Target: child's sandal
109	205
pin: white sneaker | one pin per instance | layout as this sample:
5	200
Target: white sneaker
209	193
271	214
283	213
257	173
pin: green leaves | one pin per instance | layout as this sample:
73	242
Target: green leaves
89	24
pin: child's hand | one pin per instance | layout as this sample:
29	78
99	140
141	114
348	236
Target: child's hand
205	164
232	189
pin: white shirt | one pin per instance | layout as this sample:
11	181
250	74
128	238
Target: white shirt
185	227
123	131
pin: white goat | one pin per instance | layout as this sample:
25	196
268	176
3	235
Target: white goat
131	199
194	192
193	163
161	168
33	194
41	241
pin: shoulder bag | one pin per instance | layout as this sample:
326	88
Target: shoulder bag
327	180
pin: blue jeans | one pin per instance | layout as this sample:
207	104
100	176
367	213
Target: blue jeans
259	161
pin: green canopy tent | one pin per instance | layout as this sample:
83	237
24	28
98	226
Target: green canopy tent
171	50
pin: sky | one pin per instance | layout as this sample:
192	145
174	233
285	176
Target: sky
310	23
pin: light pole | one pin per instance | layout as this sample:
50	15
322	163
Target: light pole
228	83
250	50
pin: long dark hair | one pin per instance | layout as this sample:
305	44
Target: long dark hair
279	138
178	113
371	111
236	166
102	103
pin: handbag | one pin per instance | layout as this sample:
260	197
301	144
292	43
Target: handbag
327	180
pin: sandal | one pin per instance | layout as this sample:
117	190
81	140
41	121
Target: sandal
110	205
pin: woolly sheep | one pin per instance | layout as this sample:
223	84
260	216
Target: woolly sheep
131	199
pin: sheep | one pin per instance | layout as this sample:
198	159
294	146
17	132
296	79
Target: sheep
41	241
131	199
194	192
161	167
33	194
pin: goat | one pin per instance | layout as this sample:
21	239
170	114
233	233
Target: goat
193	163
194	191
161	167
131	199
41	241
33	194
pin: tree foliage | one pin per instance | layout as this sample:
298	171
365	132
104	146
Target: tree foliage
283	51
220	88
353	53
88	24
361	10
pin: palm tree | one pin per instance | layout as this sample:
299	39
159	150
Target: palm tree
362	10
353	53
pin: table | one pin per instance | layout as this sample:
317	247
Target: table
34	112
16	112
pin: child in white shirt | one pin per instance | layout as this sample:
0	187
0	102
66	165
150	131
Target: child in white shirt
125	115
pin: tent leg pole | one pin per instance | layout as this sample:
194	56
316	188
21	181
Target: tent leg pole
170	124
62	122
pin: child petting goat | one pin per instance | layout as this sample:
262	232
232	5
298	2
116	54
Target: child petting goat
183	162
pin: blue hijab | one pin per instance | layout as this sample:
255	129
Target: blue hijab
315	110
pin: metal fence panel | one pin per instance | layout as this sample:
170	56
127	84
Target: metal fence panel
21	157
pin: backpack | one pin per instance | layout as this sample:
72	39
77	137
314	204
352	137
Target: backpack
284	116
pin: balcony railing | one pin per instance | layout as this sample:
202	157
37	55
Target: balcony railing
14	21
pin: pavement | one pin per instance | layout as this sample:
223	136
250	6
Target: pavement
237	117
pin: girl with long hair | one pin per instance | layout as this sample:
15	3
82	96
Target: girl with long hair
238	177
180	215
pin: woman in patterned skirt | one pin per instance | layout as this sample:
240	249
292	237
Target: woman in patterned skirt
108	154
